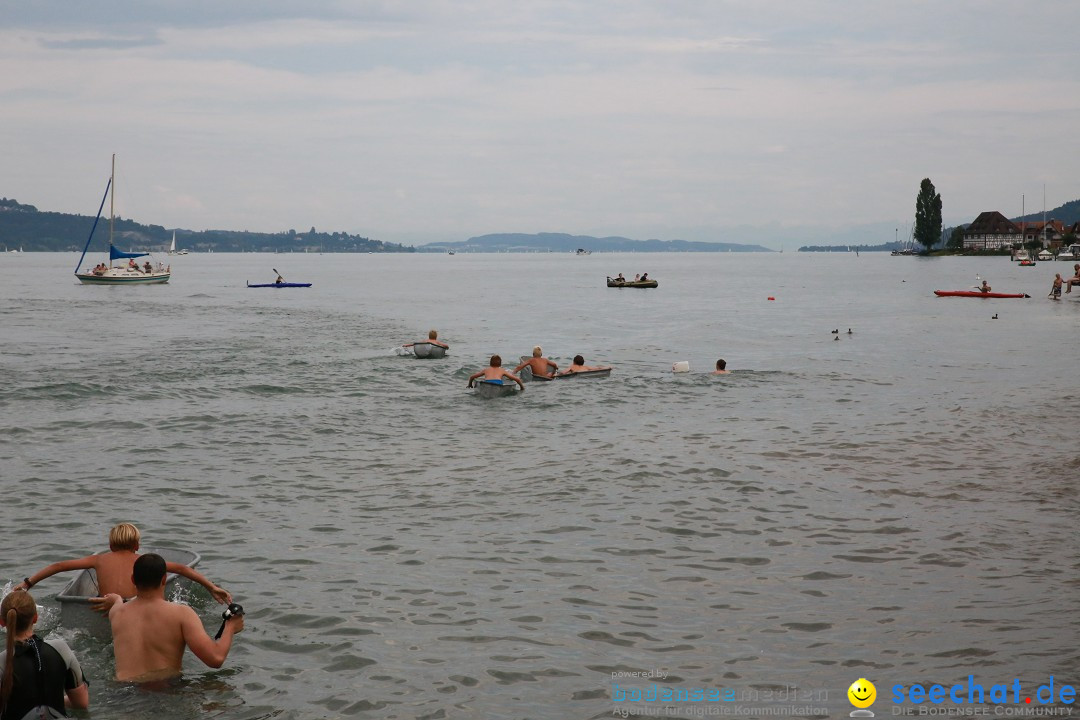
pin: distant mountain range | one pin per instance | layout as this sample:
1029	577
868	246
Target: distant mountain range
563	242
24	227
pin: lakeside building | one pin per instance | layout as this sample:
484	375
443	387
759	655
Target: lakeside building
993	231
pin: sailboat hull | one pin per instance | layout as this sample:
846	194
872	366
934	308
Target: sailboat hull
126	278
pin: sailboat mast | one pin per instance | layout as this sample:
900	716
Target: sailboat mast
1023	210
112	199
1044	215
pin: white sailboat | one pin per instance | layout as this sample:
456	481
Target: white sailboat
172	247
123	274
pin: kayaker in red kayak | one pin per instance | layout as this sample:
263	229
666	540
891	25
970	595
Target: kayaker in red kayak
985	287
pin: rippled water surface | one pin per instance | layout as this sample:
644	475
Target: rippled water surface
897	504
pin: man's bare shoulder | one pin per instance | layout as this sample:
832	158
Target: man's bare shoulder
161	609
178	611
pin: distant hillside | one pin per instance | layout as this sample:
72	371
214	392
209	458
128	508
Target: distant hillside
563	242
23	226
1068	213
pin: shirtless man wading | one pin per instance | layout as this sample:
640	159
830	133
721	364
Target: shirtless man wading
150	633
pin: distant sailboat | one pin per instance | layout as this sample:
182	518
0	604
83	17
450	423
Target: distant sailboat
172	247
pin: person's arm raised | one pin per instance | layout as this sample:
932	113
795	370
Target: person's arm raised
90	561
220	594
211	652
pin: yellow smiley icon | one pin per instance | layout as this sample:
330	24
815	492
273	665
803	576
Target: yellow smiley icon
862	693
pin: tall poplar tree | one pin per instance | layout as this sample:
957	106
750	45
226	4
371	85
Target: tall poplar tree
927	215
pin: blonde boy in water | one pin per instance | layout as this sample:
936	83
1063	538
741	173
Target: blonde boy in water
114	567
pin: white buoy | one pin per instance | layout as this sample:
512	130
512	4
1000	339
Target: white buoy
681	366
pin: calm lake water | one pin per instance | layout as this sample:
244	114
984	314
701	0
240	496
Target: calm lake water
897	504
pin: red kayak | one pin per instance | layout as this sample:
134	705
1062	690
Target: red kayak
978	294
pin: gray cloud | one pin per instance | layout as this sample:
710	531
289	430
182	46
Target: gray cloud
442	120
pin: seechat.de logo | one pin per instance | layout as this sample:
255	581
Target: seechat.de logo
862	695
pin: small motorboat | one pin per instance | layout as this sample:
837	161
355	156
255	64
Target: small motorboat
489	389
978	294
75	609
428	350
1070	253
278	285
632	283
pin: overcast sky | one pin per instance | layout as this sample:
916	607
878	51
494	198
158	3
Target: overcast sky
427	120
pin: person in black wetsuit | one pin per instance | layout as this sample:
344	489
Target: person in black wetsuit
36	672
